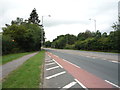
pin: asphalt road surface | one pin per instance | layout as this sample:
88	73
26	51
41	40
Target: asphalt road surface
102	65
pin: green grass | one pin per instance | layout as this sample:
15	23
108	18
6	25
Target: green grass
28	75
10	57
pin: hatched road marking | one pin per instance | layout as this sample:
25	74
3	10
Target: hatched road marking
50	63
52	68
55	75
80	84
57	63
112	83
70	85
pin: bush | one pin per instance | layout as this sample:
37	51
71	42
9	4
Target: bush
70	46
8	44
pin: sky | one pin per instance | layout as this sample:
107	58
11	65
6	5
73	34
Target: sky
67	16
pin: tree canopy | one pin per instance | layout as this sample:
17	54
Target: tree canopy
22	36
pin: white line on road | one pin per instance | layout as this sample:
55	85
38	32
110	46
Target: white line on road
57	63
104	59
56	55
50	63
71	63
80	84
114	61
94	57
52	68
112	83
70	85
49	77
87	56
49	56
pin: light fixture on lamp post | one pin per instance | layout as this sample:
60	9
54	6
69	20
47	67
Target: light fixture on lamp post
94	23
42	30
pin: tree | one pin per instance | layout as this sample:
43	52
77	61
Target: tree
47	44
34	17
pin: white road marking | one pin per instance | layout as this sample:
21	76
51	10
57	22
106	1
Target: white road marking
56	55
94	57
87	56
49	56
70	85
57	63
50	63
52	68
112	83
114	61
71	63
80	84
104	59
49	77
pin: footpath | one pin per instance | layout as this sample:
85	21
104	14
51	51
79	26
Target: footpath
10	66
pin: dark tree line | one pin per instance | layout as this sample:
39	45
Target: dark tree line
88	40
22	36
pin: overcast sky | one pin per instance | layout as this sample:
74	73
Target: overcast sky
67	16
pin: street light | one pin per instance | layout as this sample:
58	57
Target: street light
94	22
42	30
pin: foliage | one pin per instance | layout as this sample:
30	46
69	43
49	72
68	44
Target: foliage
22	36
34	17
90	41
47	44
63	40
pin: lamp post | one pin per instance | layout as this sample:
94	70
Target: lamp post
94	23
42	30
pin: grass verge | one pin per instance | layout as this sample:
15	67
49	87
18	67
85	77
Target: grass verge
10	57
28	75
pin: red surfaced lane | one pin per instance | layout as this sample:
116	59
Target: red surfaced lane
86	78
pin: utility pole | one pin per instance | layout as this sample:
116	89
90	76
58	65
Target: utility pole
94	23
42	36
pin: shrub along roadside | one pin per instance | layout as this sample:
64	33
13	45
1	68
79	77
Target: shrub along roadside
10	57
27	75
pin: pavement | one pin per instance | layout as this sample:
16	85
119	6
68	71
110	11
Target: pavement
85	70
10	66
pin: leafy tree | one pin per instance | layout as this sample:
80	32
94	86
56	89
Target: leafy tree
47	44
70	39
34	17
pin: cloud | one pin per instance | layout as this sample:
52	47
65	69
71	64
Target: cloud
67	16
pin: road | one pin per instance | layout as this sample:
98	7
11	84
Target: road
102	65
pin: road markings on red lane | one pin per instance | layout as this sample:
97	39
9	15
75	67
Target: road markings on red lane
57	63
55	75
56	55
49	56
112	83
52	68
80	84
71	63
70	85
50	63
87	79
